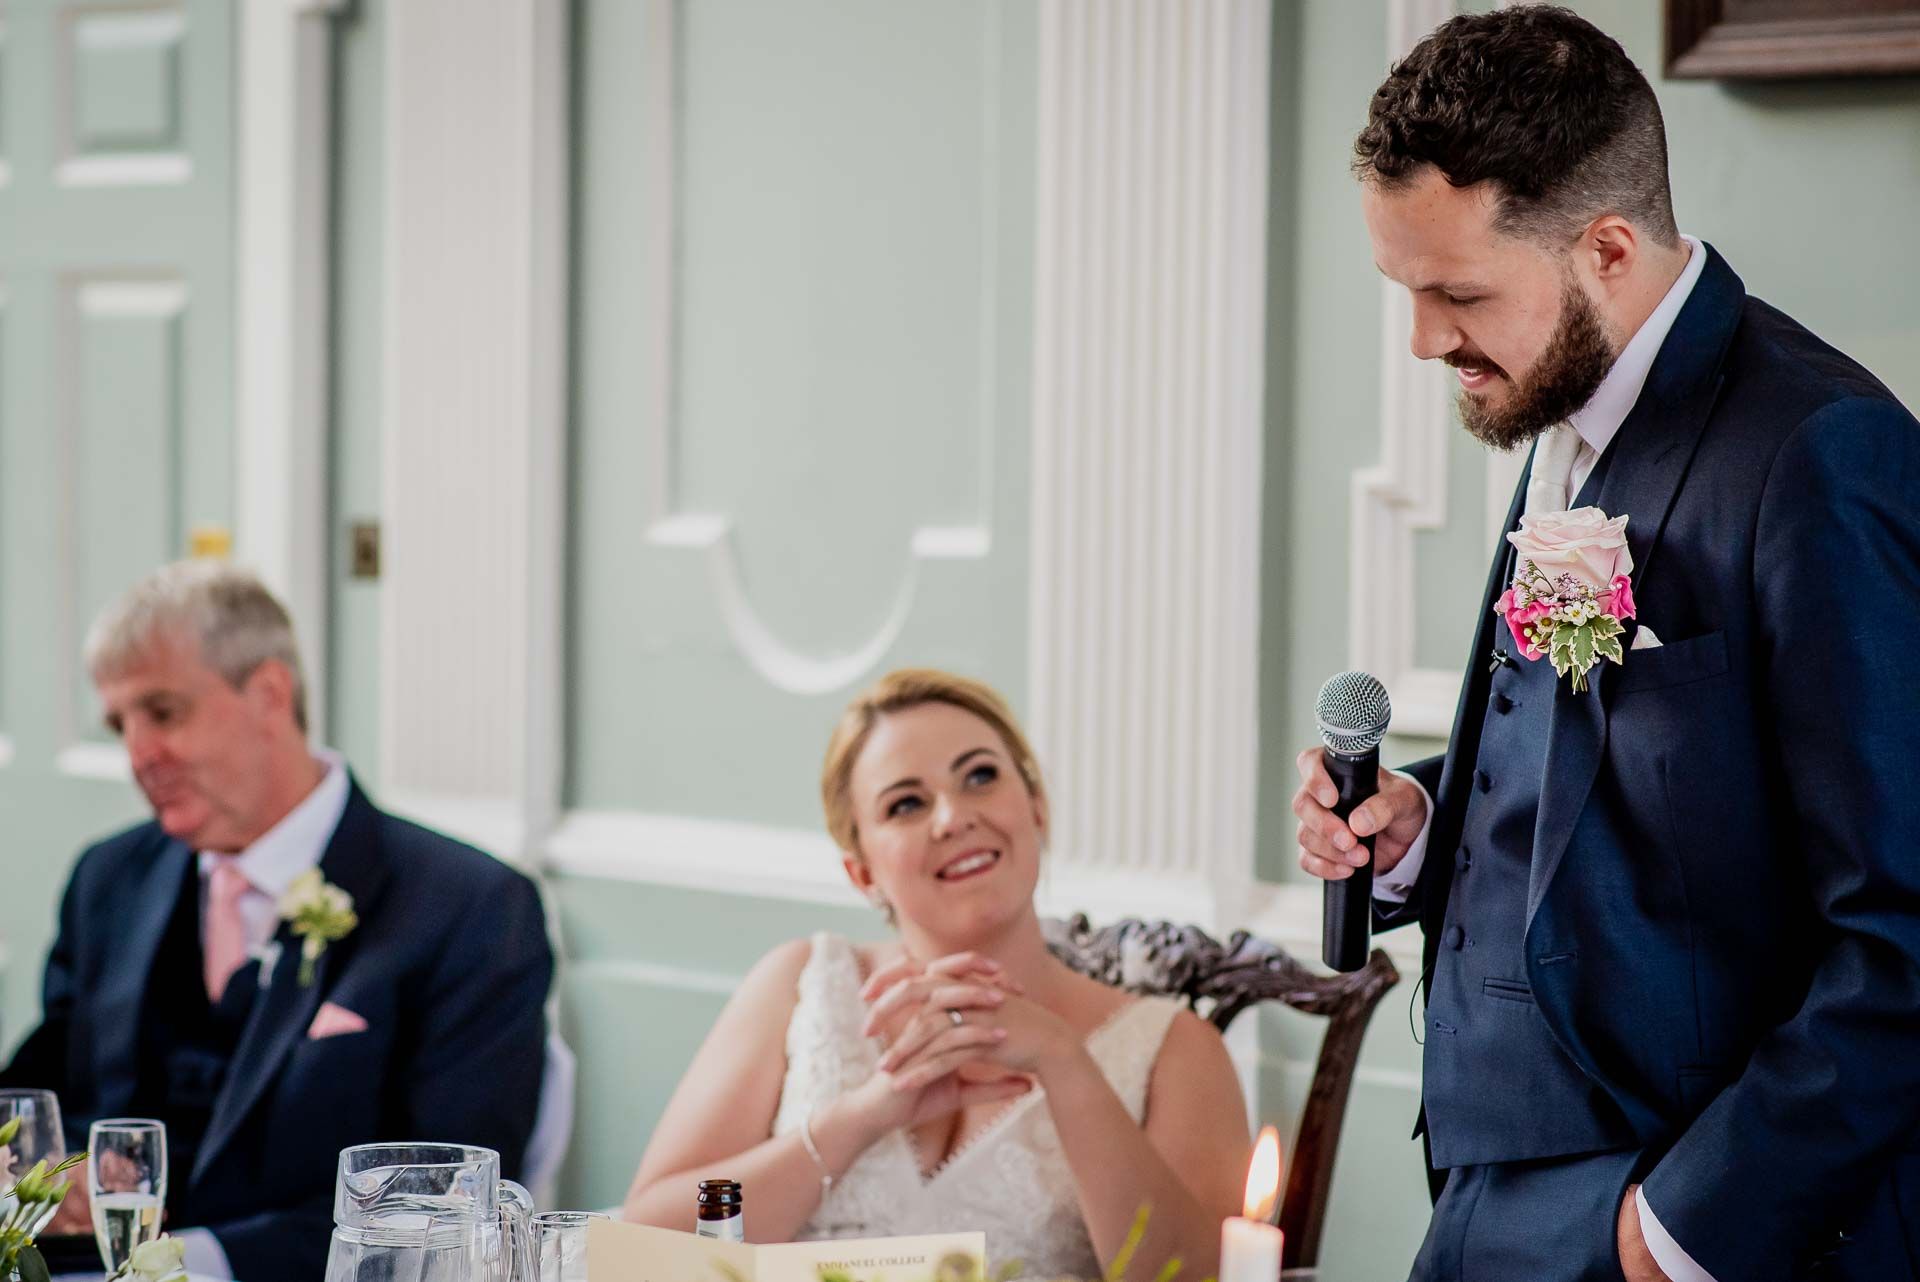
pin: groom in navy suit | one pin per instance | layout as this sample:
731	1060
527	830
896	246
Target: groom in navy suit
175	986
1672	922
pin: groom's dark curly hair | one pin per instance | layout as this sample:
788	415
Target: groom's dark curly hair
1538	101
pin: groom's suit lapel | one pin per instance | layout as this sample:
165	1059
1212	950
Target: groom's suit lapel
1648	460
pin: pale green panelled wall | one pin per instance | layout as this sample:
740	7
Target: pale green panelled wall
852	219
116	415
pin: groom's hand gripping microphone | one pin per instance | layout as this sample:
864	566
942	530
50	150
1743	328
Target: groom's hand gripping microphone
1353	713
1330	847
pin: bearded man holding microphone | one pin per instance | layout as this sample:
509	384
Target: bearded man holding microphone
1667	869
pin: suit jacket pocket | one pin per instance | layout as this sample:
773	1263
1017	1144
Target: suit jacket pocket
1675	663
343	1053
1507	990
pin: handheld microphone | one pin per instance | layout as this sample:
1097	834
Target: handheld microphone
1352	712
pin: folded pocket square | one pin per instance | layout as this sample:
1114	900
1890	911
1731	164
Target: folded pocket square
332	1021
1643	639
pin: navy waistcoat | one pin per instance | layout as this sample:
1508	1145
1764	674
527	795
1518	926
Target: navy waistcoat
1498	1088
186	1042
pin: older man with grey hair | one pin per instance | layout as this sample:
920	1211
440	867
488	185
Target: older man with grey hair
181	983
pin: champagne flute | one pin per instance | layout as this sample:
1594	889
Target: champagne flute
127	1180
40	1139
560	1244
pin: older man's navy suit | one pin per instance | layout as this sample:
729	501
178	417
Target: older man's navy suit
448	967
1673	924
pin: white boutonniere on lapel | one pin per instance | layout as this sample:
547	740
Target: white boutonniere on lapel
320	914
1572	598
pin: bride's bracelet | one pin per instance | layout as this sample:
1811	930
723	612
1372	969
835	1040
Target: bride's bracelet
813	1151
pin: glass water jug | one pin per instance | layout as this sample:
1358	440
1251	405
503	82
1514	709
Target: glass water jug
428	1213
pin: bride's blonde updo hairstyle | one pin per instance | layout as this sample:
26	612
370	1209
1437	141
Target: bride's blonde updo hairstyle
896	692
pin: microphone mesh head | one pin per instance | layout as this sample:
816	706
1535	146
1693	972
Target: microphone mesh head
1353	713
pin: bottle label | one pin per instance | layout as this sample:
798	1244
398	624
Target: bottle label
731	1229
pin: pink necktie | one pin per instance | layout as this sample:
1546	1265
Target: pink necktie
226	930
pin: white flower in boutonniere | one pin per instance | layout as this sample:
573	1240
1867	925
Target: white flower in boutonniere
320	914
161	1260
1572	598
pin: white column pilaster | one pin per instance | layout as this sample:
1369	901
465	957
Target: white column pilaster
472	607
1150	267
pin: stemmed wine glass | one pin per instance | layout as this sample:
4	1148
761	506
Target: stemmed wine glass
39	1138
127	1180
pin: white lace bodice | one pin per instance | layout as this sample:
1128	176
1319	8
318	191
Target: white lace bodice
1010	1181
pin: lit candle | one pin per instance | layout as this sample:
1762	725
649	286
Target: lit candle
1249	1244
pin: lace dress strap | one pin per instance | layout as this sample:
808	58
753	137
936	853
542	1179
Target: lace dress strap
826	1055
1127	1046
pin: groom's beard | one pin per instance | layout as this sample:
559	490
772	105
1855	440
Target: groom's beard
1565	378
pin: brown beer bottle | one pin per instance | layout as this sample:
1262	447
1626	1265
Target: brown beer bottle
720	1211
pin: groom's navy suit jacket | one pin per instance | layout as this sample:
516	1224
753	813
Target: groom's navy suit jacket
449	967
1722	920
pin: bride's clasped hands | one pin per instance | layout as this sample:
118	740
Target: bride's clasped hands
945	1038
962	1015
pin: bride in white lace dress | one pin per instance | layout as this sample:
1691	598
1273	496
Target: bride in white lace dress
960	1077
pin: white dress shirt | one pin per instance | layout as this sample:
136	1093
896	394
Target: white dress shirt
270	864
1597	422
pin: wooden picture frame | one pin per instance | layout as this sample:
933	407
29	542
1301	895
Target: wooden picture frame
1788	39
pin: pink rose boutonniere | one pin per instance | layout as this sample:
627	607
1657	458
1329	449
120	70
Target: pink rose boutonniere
1572	597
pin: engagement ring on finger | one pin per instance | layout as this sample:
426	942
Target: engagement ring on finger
957	1018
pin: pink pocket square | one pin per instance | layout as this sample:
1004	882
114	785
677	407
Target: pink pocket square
332	1021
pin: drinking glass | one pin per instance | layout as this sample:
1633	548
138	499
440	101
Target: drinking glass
39	1139
560	1244
127	1180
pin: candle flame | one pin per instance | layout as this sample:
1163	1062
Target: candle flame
1263	1177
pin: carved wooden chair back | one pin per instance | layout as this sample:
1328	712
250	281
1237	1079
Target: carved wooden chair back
1219	981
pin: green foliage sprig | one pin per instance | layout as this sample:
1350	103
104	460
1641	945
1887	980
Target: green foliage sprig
964	1268
28	1202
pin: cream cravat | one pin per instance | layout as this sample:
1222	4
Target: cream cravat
1553	461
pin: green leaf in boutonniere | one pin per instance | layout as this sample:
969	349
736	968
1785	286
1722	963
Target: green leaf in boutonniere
1607	632
1572	651
320	914
1576	648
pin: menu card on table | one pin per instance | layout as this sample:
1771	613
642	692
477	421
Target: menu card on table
619	1252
